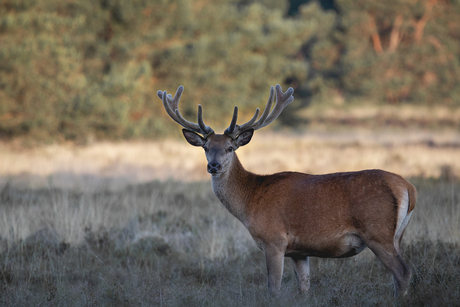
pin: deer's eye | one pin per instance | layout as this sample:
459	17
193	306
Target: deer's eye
230	149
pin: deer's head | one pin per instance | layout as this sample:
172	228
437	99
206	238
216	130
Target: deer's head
220	148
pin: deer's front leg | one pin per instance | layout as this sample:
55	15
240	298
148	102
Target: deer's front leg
274	257
302	272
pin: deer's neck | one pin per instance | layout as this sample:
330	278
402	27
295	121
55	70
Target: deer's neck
232	188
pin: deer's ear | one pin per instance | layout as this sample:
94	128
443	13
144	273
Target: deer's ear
193	138
244	137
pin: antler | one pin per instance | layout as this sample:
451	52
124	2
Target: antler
171	105
282	100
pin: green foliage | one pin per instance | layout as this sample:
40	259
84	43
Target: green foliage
392	52
83	70
90	69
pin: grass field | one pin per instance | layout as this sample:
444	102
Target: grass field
91	226
416	153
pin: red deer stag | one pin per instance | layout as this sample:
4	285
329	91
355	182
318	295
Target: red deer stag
297	215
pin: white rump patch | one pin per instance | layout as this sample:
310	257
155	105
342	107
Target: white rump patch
403	218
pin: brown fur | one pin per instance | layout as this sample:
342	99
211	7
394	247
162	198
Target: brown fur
300	215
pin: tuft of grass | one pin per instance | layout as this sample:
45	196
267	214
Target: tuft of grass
169	243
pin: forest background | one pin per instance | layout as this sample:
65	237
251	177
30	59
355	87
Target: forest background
89	70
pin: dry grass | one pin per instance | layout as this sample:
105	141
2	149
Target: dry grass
413	153
378	116
172	243
79	228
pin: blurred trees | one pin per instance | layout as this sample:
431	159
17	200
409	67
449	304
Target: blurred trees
81	70
391	52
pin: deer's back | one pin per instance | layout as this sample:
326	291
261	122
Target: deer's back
309	206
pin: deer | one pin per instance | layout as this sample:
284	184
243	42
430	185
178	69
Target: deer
298	215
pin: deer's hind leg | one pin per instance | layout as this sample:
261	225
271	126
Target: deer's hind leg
302	273
393	261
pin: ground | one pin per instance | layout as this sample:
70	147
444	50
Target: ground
138	224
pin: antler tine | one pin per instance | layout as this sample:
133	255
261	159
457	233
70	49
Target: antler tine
232	126
267	109
166	104
171	105
250	123
175	114
234	130
173	102
282	101
205	128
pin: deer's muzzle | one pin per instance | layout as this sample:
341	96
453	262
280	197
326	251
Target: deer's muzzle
214	167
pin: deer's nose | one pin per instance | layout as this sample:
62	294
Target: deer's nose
214	167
